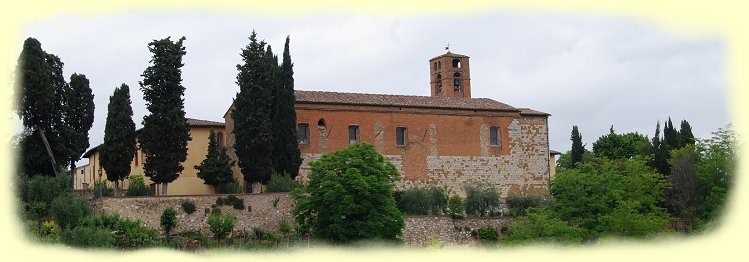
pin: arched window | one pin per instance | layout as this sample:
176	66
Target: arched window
439	64
456	81
439	83
435	65
456	63
220	139
321	122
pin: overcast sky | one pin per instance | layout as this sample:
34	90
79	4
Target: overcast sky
592	71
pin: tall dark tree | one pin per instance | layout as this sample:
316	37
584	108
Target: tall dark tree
578	149
670	136
659	149
286	155
687	138
79	115
119	137
165	132
215	170
40	107
251	114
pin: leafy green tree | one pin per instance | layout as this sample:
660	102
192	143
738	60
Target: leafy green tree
137	187
624	146
578	149
118	148
593	195
349	197
544	226
455	207
68	208
215	170
716	170
685	195
168	220
79	115
251	114
481	200
685	130
423	201
221	226
282	183
286	155
165	132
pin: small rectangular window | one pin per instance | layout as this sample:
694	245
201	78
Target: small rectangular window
353	134
494	136
303	133
400	136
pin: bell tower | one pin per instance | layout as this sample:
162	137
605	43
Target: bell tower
450	75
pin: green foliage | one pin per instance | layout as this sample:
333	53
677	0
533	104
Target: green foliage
488	235
423	201
129	233
229	188
165	133
188	207
221	226
79	115
215	170
282	183
168	220
286	155
455	207
519	204
542	225
88	237
684	197
685	130
101	189
578	149
137	187
716	170
233	201
481	200
660	151
68	208
42	189
118	148
624	146
349	197
591	193
252	113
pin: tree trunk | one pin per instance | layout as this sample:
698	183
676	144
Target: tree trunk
49	151
256	187
116	188
72	174
163	189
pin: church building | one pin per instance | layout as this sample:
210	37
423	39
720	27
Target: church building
446	139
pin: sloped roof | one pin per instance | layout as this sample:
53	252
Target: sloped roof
528	111
449	54
323	97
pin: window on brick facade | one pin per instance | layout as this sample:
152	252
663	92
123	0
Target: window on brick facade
494	136
439	64
456	81
456	63
439	83
353	134
220	139
400	136
321	122
136	158
303	133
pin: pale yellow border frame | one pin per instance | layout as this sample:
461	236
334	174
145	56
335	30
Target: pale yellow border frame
722	18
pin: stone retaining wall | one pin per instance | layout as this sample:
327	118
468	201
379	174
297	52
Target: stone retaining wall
420	230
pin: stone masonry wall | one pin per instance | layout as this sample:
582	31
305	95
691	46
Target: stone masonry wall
420	230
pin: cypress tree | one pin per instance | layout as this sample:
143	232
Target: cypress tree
576	154
286	155
79	115
660	152
687	138
251	114
118	148
670	136
165	131
215	169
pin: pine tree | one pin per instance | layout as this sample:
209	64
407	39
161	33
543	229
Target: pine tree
687	138
79	115
670	136
215	170
286	155
119	137
165	131
578	149
660	152
252	120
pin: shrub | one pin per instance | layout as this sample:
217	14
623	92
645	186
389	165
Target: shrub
455	206
168	220
135	235
488	235
88	236
68	208
221	226
542	225
232	200
102	189
423	201
281	183
45	188
49	229
228	188
137	187
481	200
188	207
518	204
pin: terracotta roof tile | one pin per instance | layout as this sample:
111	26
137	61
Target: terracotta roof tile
450	54
199	122
323	97
528	111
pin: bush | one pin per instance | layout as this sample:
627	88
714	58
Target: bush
134	235
221	226
137	187
45	188
281	183
102	189
88	236
518	204
423	201
68	208
481	200
168	220
455	207
488	235
233	201
228	188
188	207
542	225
